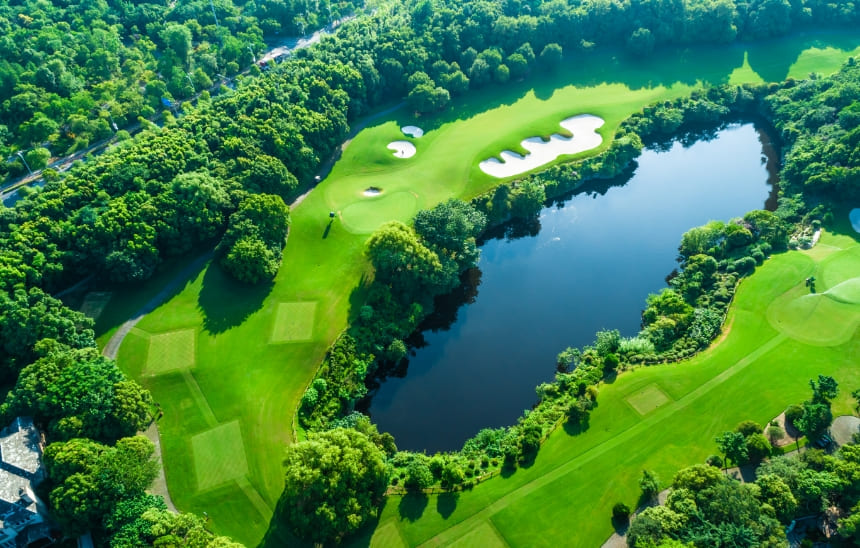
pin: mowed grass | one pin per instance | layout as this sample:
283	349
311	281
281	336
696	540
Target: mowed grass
647	399
242	376
566	497
294	322
219	455
170	352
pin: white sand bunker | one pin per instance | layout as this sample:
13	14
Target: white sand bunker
585	137
413	131
402	149
854	217
372	191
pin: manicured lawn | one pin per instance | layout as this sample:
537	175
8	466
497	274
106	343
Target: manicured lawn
254	358
566	497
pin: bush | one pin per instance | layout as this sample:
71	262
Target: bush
748	428
621	512
793	413
714	460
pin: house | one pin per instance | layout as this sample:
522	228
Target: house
22	514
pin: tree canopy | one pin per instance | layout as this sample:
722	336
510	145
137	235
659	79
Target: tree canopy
334	483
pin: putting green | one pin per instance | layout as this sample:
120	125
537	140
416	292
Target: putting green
171	351
829	317
847	292
294	322
648	399
369	213
219	455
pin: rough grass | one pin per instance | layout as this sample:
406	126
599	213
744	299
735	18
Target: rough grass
219	455
647	399
171	351
294	322
566	496
243	377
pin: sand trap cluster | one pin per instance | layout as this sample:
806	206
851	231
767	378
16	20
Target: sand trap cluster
854	217
413	131
402	149
585	137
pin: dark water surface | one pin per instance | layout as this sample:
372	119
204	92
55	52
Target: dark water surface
588	264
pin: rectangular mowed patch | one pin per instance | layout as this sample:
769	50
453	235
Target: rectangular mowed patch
648	399
95	303
219	455
294	322
172	351
482	536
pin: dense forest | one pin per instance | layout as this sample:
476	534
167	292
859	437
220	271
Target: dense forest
174	189
73	74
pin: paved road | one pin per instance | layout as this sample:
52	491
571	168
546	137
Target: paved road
159	486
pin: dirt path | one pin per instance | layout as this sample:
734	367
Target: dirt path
159	486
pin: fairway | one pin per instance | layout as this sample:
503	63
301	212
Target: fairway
171	351
294	322
648	399
243	377
219	455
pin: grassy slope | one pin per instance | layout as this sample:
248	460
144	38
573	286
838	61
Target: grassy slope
240	376
753	374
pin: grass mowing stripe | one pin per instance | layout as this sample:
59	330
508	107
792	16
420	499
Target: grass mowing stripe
254	496
199	398
456	531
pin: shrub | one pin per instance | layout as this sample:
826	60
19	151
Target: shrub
715	460
621	512
793	413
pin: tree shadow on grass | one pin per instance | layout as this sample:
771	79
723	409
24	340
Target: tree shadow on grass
412	506
576	428
446	503
620	525
226	302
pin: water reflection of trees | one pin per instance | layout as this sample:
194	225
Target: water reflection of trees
444	315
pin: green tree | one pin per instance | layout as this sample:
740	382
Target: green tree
100	477
815	420
777	493
418	475
334	483
402	262
550	57
649	485
250	261
734	446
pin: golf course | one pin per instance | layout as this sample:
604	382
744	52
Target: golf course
228	363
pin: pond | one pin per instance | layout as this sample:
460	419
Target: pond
585	264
